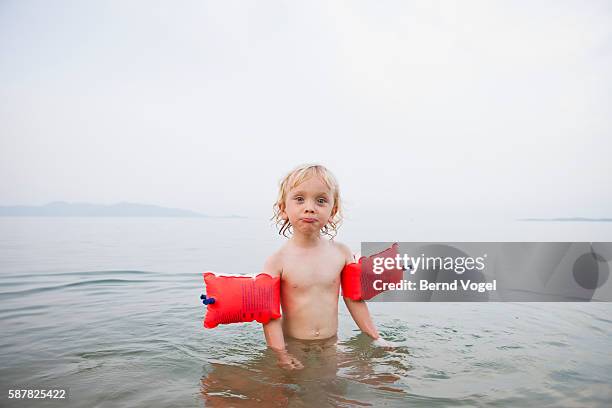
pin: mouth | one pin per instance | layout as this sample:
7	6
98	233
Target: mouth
309	220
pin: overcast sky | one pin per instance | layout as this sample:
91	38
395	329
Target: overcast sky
423	108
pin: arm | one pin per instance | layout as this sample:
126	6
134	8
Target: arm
361	315
359	309
273	330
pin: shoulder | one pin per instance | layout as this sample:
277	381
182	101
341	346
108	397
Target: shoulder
274	264
344	250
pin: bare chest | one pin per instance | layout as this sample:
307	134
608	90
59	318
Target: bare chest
301	273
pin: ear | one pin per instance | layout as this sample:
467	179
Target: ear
283	214
333	213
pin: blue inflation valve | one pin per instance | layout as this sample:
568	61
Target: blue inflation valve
206	301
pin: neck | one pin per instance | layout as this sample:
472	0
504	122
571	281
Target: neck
305	240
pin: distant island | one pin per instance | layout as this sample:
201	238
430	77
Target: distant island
570	219
123	209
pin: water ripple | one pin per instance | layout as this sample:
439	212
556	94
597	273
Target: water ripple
70	285
80	273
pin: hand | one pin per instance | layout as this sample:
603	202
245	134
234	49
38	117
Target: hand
380	342
288	362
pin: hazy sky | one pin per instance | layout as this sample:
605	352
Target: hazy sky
421	108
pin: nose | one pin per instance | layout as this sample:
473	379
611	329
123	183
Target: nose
309	208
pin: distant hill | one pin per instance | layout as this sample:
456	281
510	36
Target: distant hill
123	209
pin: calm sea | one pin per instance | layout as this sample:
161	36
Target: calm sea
109	308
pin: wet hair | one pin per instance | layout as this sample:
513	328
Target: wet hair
295	178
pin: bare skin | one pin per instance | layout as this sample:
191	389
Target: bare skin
310	267
310	286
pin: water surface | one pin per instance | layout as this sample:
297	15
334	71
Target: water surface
109	308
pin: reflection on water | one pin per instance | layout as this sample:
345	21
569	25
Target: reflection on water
330	369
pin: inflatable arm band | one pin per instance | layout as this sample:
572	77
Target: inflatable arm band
358	278
240	298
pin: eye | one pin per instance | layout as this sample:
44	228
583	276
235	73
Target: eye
321	200
299	199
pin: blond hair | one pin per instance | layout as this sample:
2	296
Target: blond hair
295	178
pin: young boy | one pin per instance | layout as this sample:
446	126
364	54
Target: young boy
308	205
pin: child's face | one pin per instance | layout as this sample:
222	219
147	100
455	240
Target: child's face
309	206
